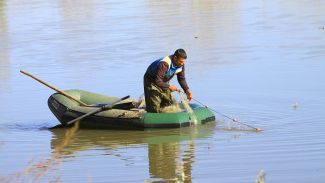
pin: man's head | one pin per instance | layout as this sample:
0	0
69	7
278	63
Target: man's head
179	57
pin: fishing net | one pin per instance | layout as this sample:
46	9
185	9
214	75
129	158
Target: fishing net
225	122
188	108
171	109
230	125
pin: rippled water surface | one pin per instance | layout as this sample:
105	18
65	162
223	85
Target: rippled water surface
262	62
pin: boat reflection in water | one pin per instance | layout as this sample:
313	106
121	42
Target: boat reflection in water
170	152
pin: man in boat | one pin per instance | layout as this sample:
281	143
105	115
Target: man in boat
157	89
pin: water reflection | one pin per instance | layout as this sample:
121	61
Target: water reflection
171	152
166	161
105	46
209	28
77	18
4	57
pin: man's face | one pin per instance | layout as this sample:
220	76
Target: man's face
179	61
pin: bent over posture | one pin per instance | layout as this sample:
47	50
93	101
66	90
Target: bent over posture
157	90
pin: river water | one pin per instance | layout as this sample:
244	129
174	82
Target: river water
260	61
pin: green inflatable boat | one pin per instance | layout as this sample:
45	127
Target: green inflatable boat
128	114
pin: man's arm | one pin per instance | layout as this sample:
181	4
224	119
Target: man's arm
181	80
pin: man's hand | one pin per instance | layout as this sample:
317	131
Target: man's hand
189	95
173	88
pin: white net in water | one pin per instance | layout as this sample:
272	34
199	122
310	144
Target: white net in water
188	108
230	125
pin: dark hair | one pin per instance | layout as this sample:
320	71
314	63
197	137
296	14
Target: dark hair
180	53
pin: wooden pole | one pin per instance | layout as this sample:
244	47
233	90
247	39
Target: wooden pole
105	107
53	88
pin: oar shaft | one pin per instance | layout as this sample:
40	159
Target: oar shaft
53	88
103	108
83	116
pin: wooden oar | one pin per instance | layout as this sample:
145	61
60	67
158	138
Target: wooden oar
100	109
52	87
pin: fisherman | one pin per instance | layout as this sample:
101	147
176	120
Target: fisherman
157	89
